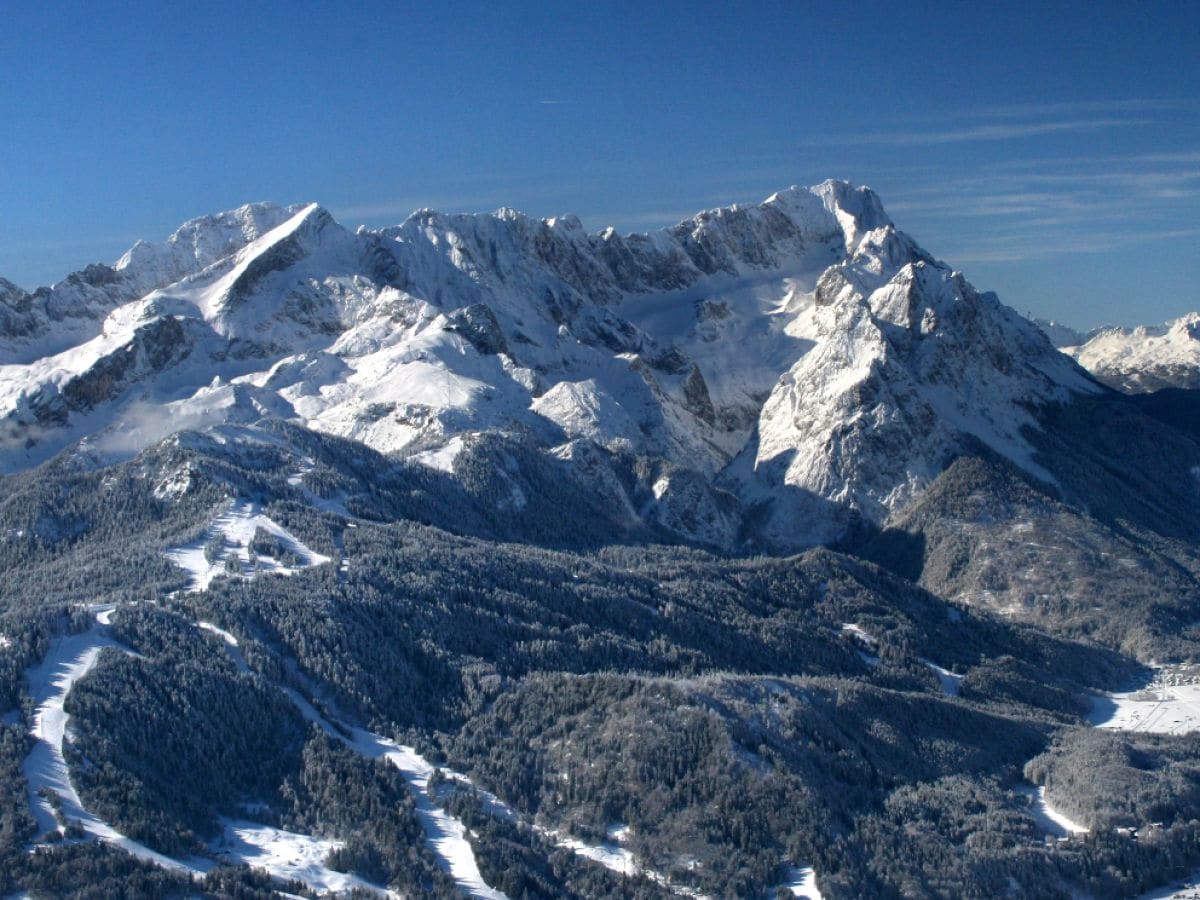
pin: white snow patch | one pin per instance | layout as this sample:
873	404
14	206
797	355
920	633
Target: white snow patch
287	855
614	857
866	640
951	683
1052	821
802	882
237	526
858	634
1169	705
441	459
584	409
609	855
174	485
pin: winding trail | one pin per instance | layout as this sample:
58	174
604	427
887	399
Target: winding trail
445	835
45	769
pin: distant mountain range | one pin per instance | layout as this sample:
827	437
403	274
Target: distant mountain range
1136	360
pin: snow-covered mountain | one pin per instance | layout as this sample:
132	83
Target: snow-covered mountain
801	357
1146	358
375	560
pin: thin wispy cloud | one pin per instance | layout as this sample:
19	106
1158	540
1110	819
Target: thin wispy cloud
1067	108
990	132
643	220
1016	248
554	103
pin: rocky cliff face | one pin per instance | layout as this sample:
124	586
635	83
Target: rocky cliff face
801	359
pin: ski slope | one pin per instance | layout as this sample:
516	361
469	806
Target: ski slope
1053	822
287	855
445	835
237	527
69	659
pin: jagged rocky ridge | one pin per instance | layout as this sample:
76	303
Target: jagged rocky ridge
784	371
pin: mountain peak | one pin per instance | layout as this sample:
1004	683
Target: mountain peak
858	209
198	243
800	347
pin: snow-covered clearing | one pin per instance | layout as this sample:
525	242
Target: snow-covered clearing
951	683
1053	822
802	882
608	853
1187	889
443	457
287	855
237	527
613	856
1169	705
69	659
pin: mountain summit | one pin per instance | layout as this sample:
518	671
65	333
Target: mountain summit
801	357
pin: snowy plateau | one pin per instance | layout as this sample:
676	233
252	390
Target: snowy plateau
484	556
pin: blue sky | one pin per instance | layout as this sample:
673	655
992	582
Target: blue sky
1051	154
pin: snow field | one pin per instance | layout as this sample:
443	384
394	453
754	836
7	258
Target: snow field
287	855
237	526
441	459
608	854
1158	709
1053	822
802	882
